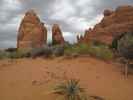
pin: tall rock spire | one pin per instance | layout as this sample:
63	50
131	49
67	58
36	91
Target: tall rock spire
57	36
32	33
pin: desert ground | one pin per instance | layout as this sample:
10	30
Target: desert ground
33	79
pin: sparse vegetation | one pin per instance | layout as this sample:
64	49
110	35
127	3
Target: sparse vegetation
45	52
11	49
58	50
97	50
125	46
14	54
70	90
94	49
102	52
114	44
3	54
20	53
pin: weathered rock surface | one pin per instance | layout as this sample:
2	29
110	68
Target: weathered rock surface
112	26
57	36
32	33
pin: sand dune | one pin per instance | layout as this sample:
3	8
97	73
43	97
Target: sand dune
31	79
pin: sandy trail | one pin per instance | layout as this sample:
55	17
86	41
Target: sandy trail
30	79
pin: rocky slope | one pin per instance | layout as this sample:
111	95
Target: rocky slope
112	26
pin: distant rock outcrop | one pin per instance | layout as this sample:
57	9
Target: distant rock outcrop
112	25
32	32
57	36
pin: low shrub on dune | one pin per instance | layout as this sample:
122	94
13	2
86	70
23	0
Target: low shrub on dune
97	50
44	51
3	54
11	50
94	49
125	46
58	50
102	52
19	53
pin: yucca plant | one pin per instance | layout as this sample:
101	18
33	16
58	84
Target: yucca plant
70	90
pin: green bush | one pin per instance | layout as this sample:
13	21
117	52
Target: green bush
125	46
3	54
58	50
79	49
83	49
70	49
44	51
100	51
20	53
114	44
11	49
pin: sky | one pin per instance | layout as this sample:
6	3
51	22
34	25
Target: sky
73	16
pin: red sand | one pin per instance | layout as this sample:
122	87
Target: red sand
28	79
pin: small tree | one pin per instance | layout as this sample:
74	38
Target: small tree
125	48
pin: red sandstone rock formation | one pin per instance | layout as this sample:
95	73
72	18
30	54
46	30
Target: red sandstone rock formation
32	32
57	37
112	26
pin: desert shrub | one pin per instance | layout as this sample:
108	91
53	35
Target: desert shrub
44	51
70	50
77	49
35	52
83	49
15	55
19	53
115	41
125	46
97	43
70	90
100	51
11	49
58	50
3	54
114	44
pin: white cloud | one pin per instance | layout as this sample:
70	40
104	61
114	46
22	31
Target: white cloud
7	9
95	20
78	23
74	16
7	44
13	24
70	37
81	23
11	5
82	3
62	9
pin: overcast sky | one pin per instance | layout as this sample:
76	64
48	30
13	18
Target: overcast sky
73	16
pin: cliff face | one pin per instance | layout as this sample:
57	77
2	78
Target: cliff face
32	33
57	36
112	25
